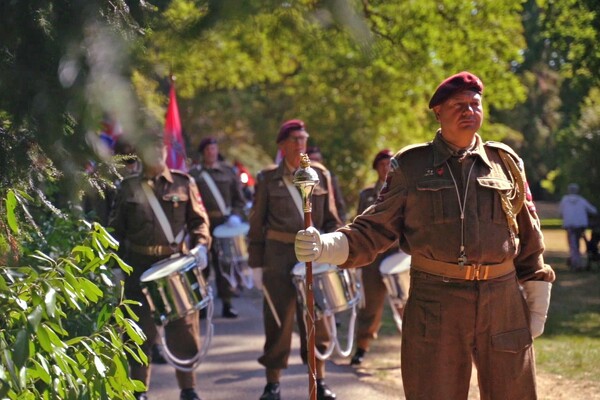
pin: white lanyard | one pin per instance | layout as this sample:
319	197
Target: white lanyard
462	258
160	215
214	190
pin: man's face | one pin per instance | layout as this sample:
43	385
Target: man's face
211	153
461	115
293	146
382	168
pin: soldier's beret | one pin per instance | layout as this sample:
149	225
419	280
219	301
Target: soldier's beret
205	142
382	155
454	84
289	126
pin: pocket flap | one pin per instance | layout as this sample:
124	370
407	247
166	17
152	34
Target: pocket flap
512	342
435	184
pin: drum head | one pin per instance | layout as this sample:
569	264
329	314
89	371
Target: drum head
395	264
317	268
229	231
166	267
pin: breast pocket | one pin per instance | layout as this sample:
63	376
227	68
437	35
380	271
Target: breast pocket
280	200
436	201
174	204
490	202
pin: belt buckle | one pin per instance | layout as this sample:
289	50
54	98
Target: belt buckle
473	272
154	250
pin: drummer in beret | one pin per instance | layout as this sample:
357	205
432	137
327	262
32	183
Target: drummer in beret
289	127
455	84
205	142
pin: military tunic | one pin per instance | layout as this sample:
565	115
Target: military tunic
369	316
229	186
449	323
274	221
143	243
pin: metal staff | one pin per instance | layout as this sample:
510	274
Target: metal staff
305	180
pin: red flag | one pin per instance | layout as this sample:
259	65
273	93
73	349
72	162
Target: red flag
176	158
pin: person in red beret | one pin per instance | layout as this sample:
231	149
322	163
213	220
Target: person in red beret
369	316
479	289
275	217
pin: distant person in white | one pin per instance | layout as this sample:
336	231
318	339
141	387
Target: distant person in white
574	210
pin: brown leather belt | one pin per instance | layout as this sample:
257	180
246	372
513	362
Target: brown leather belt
469	272
284	237
157	250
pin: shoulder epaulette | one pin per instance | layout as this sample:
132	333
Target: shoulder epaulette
507	149
411	147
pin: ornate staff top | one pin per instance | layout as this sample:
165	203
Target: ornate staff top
305	179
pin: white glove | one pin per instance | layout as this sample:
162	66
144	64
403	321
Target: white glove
234	220
537	296
199	253
257	274
329	248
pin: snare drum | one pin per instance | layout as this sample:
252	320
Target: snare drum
396	277
231	242
335	289
174	288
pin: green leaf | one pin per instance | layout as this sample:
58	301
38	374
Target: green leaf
21	348
42	372
35	317
42	335
100	367
91	291
11	204
50	301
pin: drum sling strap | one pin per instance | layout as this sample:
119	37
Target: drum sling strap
214	190
295	195
161	216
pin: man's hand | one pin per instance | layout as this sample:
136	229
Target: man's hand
308	245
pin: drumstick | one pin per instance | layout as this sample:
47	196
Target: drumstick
271	306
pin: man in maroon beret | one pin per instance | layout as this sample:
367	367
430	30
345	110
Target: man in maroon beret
275	218
479	289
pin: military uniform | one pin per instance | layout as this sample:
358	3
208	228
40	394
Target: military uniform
274	221
228	185
451	321
369	317
143	243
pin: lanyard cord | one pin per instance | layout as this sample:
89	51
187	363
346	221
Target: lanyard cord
462	258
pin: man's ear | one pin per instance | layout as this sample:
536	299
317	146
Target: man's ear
436	111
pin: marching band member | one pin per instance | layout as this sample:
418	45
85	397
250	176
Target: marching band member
143	243
275	218
224	202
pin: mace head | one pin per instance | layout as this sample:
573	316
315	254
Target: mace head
305	175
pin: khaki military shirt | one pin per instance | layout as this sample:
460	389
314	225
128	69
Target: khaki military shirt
134	221
420	206
274	209
228	185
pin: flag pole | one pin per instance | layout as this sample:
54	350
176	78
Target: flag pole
305	180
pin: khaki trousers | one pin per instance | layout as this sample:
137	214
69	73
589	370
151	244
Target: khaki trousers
369	317
183	335
449	325
277	280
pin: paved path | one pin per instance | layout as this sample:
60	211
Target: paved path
231	372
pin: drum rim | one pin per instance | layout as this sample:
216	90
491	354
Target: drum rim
240	230
154	268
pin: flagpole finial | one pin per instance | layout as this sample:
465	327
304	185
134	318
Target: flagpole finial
172	77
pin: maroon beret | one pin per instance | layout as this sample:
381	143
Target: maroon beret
205	142
382	155
287	127
454	84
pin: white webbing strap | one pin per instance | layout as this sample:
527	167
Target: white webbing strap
160	215
295	193
216	193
